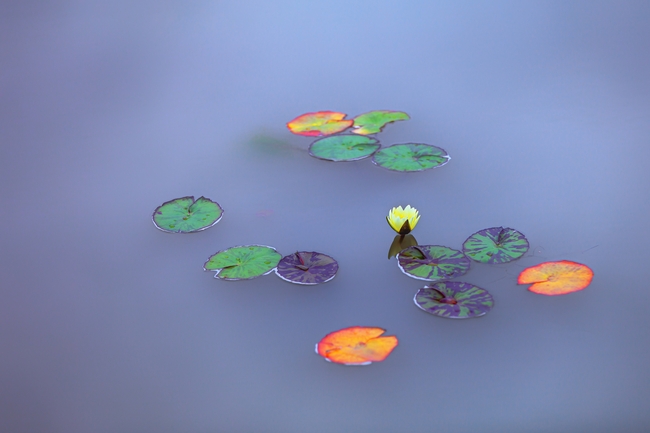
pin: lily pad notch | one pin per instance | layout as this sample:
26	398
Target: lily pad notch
185	215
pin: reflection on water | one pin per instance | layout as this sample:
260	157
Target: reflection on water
401	242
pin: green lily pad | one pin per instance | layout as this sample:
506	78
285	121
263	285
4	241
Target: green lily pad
343	148
409	157
243	263
495	245
432	262
374	121
184	215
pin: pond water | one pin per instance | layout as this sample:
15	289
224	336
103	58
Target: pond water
111	109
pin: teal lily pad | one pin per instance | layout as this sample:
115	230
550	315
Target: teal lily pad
344	148
410	157
374	121
432	262
184	215
243	262
495	245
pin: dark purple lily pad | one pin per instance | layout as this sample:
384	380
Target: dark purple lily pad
307	268
454	300
495	245
432	262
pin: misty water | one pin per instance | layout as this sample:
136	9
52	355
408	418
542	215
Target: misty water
112	108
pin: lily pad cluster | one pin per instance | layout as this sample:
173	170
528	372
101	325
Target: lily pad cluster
186	215
251	261
356	145
438	264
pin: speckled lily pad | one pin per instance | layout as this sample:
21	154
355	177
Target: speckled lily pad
343	148
454	300
243	263
184	215
307	268
410	157
432	262
495	245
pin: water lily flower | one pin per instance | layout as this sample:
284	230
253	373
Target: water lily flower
403	220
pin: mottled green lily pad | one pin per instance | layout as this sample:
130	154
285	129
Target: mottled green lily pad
454	300
432	262
243	263
374	121
343	148
495	245
410	157
184	215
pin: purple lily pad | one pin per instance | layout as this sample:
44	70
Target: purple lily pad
454	300
307	268
432	262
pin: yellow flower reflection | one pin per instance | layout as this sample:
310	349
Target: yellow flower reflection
403	220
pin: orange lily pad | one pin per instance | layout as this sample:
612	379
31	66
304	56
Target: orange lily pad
556	278
320	123
357	345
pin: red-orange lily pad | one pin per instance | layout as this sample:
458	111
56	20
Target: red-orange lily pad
320	123
357	345
556	278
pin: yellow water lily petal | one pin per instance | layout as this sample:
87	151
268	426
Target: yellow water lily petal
403	220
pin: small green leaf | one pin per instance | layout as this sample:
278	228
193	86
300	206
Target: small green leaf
410	157
243	263
343	148
374	121
184	215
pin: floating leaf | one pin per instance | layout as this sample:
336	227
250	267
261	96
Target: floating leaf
432	262
184	215
358	345
343	148
243	263
495	245
320	123
410	157
307	268
556	278
454	300
401	242
374	121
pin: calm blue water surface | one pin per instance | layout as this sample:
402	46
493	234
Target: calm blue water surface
111	108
